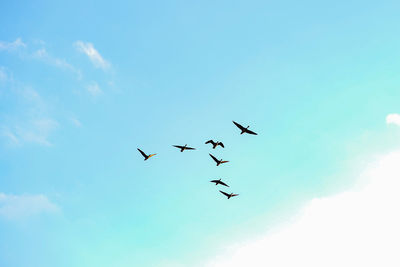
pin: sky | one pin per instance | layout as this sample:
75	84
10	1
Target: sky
84	84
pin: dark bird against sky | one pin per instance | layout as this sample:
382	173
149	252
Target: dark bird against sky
218	161
243	129
217	182
185	147
229	195
215	144
146	157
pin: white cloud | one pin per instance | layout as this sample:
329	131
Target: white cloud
94	56
356	228
12	45
393	118
43	55
22	206
94	89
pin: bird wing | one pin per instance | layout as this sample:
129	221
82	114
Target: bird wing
224	161
179	147
250	132
221	144
223	183
209	141
239	126
234	195
214	158
190	148
215	181
152	155
143	154
224	193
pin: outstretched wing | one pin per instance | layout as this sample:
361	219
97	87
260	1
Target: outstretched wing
214	158
224	161
209	141
224	193
250	132
239	126
234	195
215	181
179	147
190	148
143	154
221	144
223	183
152	155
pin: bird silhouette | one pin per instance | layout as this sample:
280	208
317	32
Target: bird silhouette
215	144
185	147
229	195
218	161
146	157
243	129
217	182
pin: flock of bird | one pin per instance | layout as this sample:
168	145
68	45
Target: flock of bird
218	161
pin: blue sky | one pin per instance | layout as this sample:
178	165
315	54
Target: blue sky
82	85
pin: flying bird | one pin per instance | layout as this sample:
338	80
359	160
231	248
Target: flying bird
218	161
215	144
229	195
146	157
185	147
243	129
217	182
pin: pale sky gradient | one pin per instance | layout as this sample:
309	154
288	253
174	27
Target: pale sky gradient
84	84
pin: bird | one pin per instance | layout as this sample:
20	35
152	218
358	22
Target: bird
218	161
219	182
185	147
229	195
243	129
146	157
215	144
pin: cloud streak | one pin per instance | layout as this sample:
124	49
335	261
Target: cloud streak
14	207
29	121
34	131
43	55
3	75
75	122
94	56
9	46
10	136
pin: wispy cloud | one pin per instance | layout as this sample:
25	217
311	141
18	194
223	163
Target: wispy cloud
39	54
94	56
393	118
12	45
357	228
29	121
10	136
43	55
94	89
14	207
75	122
34	131
3	74
37	131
